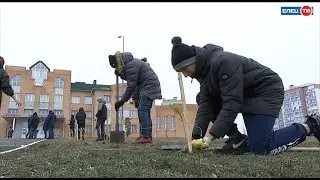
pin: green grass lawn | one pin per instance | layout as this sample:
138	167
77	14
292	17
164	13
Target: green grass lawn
71	158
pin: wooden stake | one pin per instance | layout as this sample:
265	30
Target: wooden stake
184	112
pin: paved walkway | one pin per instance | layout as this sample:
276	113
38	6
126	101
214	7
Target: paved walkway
8	144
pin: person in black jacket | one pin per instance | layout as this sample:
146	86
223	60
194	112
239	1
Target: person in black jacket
81	121
29	133
49	124
232	84
101	116
34	125
10	132
143	86
5	86
71	124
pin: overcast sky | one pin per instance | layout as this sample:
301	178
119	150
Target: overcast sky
80	36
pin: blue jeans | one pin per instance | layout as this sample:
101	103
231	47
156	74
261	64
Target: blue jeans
144	114
264	140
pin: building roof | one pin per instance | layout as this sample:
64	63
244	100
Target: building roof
38	63
82	86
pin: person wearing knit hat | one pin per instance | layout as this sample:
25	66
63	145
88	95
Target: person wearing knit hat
232	84
5	86
183	60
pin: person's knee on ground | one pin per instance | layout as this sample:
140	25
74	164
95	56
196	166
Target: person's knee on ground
264	140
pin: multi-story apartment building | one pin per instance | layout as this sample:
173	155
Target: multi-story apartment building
299	101
39	89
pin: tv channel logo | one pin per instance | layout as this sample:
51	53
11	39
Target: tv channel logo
301	11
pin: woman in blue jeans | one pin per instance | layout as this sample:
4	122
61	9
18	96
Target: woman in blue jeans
232	84
143	86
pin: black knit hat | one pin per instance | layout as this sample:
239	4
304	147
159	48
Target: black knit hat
182	55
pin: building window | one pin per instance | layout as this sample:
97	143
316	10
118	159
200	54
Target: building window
29	101
74	112
88	114
39	74
44	98
58	113
58	102
107	98
43	112
134	128
132	113
165	123
44	101
58	98
158	123
12	111
75	100
173	123
88	100
59	83
28	112
16	80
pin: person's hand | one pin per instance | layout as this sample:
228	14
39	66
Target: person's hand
18	103
16	100
200	144
118	105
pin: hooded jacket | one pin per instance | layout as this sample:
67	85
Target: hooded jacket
232	84
141	79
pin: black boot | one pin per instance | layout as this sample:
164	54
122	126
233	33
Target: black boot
313	122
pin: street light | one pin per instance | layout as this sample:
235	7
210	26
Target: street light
121	82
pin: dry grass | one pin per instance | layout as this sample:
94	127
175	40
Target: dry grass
71	158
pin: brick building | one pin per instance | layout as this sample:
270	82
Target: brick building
39	90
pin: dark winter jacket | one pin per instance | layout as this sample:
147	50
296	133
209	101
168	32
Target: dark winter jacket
5	86
81	117
102	112
5	82
140	78
30	122
50	120
34	121
232	84
72	121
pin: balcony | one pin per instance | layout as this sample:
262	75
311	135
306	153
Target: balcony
9	116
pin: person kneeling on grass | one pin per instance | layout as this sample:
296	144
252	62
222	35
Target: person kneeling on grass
232	84
143	83
236	143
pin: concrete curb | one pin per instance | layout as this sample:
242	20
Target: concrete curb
21	147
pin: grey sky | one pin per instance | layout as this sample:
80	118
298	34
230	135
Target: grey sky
80	36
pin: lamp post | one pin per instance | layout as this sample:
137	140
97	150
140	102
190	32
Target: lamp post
121	81
122	48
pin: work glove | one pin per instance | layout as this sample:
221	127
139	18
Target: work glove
200	144
118	105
